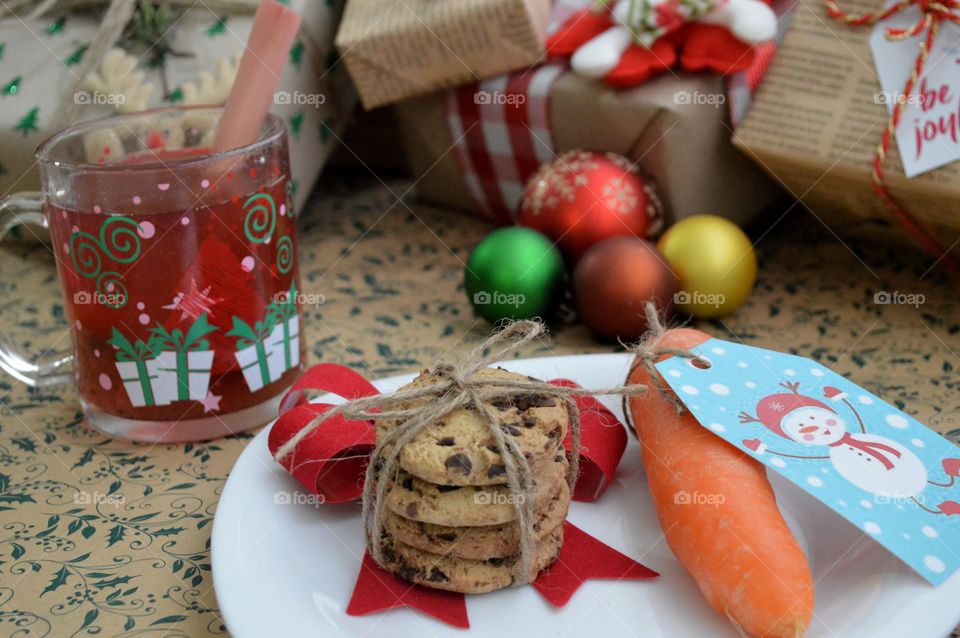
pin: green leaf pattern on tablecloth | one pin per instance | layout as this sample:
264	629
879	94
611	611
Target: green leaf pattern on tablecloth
394	303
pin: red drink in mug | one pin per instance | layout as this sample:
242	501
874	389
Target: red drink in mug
179	271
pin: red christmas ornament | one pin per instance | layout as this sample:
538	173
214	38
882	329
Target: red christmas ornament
582	198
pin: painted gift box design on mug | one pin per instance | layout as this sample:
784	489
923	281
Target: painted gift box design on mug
271	346
170	366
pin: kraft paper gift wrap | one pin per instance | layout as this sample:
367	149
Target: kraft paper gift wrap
683	144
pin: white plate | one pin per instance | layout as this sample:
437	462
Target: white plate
288	569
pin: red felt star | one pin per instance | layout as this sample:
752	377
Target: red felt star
584	557
378	590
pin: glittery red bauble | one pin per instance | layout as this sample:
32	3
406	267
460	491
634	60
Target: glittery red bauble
582	198
613	282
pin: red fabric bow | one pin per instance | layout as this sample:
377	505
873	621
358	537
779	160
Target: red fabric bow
332	459
697	47
932	15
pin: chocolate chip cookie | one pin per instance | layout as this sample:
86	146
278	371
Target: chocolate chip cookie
477	543
468	505
459	450
462	574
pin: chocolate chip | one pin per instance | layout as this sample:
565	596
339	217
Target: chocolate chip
447	441
554	433
496	470
448	537
443	489
493	448
412	510
407	573
437	576
529	421
511	430
496	562
502	403
536	527
407	484
558	458
459	462
534	401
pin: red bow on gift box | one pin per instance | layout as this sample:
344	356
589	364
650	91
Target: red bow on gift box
694	45
331	460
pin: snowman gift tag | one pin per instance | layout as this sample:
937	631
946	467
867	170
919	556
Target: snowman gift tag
879	468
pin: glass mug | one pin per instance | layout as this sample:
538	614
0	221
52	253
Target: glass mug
178	269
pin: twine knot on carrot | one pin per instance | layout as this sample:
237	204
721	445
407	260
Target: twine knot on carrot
450	387
648	351
932	15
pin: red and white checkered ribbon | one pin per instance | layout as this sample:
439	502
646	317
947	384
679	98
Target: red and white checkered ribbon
502	132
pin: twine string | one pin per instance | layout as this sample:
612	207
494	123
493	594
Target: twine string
932	14
647	351
449	387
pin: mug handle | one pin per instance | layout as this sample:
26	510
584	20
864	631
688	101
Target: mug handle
50	368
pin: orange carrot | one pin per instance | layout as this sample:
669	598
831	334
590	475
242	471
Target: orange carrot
719	515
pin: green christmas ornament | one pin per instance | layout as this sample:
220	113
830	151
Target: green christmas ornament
514	273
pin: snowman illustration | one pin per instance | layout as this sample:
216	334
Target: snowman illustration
873	463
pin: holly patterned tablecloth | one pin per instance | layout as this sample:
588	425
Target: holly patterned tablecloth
108	536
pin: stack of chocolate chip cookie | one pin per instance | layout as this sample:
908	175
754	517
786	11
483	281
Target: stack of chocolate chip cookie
451	520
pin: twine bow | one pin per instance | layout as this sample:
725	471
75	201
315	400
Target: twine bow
449	388
932	14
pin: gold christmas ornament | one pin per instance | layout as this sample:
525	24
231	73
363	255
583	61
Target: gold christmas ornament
714	261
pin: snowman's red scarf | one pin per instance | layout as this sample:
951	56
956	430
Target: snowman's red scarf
874	449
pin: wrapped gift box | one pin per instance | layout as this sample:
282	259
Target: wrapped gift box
815	124
42	57
676	127
395	50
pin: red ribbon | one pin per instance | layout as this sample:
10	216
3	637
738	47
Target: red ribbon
332	459
932	15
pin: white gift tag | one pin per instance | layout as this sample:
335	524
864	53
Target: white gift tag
928	134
